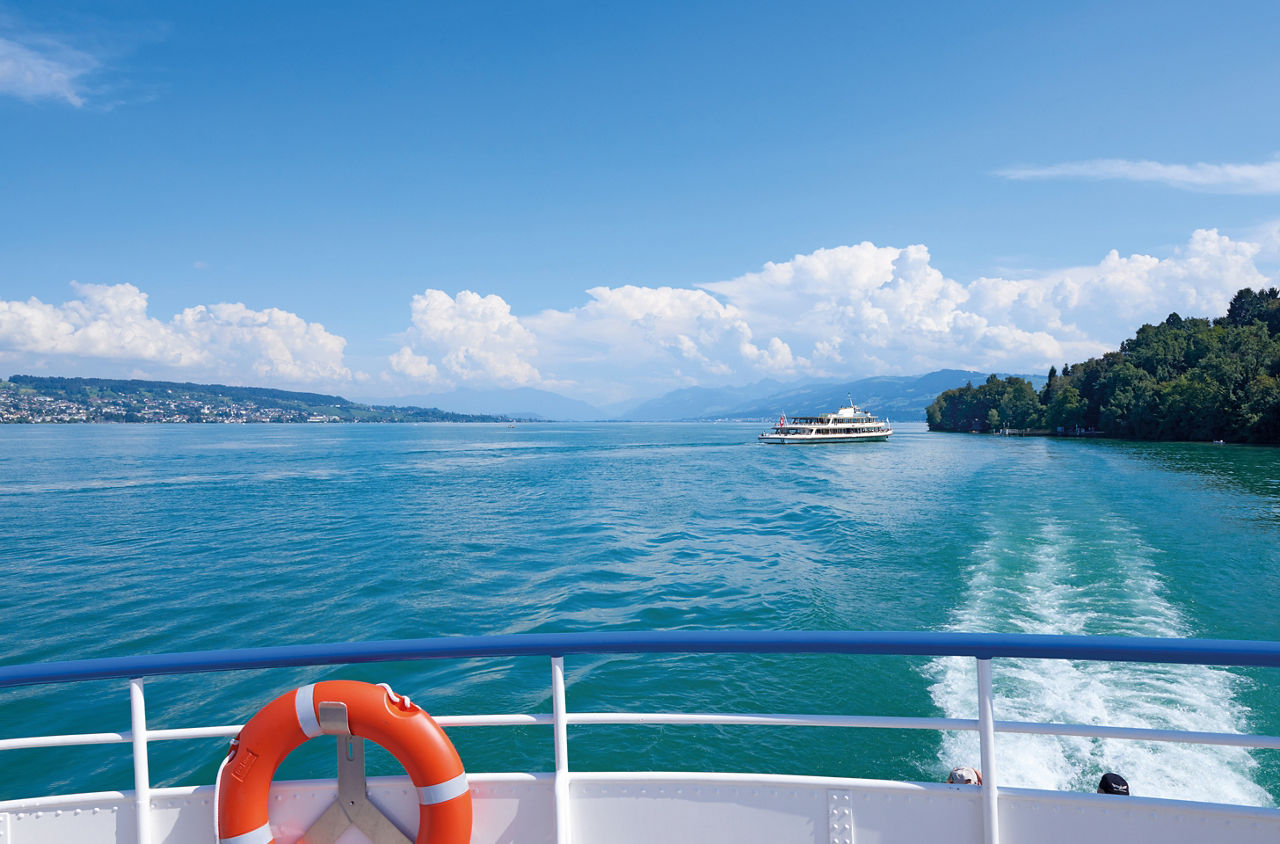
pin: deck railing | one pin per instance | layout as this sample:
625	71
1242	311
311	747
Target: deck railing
982	647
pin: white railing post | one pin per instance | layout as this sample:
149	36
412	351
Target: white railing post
141	771
987	739
563	832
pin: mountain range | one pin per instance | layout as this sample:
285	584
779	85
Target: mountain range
897	397
902	397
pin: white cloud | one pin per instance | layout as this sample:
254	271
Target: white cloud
848	311
467	339
416	367
110	322
43	69
272	343
1212	178
867	309
1102	304
863	309
654	337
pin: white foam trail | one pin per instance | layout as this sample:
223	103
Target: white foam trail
1097	585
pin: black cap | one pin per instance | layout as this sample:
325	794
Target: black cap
1113	784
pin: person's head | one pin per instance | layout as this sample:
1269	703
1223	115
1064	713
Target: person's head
1113	784
965	776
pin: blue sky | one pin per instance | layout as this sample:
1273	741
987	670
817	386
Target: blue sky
632	198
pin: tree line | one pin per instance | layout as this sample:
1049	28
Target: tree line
1184	379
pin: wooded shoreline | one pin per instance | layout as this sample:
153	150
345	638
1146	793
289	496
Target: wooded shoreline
1185	379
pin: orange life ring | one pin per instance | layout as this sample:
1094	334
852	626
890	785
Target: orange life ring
373	712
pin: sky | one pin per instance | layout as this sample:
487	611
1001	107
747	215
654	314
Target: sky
611	201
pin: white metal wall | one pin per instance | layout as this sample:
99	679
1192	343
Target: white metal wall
677	809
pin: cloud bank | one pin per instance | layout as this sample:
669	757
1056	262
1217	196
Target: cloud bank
1210	178
847	311
111	323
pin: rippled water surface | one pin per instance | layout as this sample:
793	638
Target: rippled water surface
146	538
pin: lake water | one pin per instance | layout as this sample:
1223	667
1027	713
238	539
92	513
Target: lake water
123	539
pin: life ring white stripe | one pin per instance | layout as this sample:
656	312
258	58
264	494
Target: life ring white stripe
429	795
261	835
306	711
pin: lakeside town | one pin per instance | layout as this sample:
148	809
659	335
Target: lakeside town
17	408
26	399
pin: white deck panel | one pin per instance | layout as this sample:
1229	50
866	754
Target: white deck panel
677	809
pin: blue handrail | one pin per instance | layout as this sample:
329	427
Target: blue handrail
979	645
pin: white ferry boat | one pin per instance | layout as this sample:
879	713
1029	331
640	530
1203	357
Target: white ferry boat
440	803
848	424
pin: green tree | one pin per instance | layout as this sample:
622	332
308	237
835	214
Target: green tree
1050	385
1067	412
1020	406
1128	402
1249	306
1262	404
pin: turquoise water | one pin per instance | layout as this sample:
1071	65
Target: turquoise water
139	539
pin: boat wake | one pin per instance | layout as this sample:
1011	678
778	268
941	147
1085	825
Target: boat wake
1103	583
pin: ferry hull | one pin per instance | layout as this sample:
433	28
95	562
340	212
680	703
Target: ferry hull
626	808
818	439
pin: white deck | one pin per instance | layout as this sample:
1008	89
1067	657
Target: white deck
676	808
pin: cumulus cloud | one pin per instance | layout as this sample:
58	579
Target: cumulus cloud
43	69
466	339
1102	304
874	309
1261	178
653	336
271	343
848	311
110	322
623	339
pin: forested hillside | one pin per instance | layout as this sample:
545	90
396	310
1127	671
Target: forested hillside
1184	379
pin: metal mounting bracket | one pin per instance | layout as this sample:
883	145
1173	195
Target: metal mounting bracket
353	806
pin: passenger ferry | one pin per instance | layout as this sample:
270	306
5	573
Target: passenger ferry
440	803
848	424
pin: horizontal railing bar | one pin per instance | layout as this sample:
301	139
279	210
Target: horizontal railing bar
1139	734
493	720
76	740
940	724
979	645
28	742
194	733
888	722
